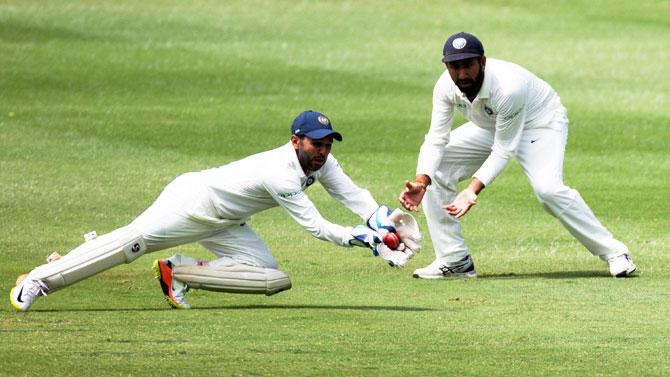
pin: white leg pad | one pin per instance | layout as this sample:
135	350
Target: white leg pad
238	278
120	246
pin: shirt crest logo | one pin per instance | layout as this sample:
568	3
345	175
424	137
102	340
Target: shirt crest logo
488	110
459	43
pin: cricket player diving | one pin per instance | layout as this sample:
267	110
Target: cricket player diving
511	113
212	207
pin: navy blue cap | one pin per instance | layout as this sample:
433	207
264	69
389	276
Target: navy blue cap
462	46
314	125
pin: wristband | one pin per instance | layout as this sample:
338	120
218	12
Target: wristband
420	184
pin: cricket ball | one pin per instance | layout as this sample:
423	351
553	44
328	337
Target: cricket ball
392	240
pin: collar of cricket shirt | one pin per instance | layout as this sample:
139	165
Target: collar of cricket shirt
485	90
293	161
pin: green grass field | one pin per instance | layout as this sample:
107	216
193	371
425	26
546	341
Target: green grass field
103	103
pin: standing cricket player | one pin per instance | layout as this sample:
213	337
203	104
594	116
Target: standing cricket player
212	207
511	113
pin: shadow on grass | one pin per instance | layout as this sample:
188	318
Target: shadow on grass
251	307
323	307
551	275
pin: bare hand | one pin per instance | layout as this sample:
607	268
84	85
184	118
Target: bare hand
462	204
412	196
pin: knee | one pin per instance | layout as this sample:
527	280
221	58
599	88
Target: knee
550	192
554	196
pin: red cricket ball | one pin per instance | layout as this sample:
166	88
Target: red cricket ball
392	240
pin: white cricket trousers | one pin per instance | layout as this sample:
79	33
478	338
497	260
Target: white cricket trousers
540	154
183	213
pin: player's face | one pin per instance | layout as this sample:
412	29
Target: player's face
312	153
468	74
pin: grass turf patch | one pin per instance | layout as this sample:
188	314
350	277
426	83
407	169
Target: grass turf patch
101	105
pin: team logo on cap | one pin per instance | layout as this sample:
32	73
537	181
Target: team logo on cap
323	120
459	43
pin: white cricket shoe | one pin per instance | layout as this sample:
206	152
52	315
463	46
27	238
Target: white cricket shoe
621	266
26	292
173	289
439	269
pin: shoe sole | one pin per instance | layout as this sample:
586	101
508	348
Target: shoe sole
626	273
12	300
164	287
459	275
15	305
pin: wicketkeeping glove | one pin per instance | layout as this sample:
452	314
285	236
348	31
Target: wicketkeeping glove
395	258
408	229
364	237
379	221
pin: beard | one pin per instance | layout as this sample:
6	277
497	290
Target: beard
317	162
310	162
469	86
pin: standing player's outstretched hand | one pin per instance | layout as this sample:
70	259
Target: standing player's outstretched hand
462	204
411	197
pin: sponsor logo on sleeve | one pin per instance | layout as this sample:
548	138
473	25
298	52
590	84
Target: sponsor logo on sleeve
512	116
289	195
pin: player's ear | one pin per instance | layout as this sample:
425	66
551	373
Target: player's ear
295	141
483	61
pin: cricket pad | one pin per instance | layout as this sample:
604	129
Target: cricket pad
234	279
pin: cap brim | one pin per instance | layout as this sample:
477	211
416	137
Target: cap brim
321	133
453	58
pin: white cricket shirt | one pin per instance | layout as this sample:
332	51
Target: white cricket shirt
510	100
268	179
